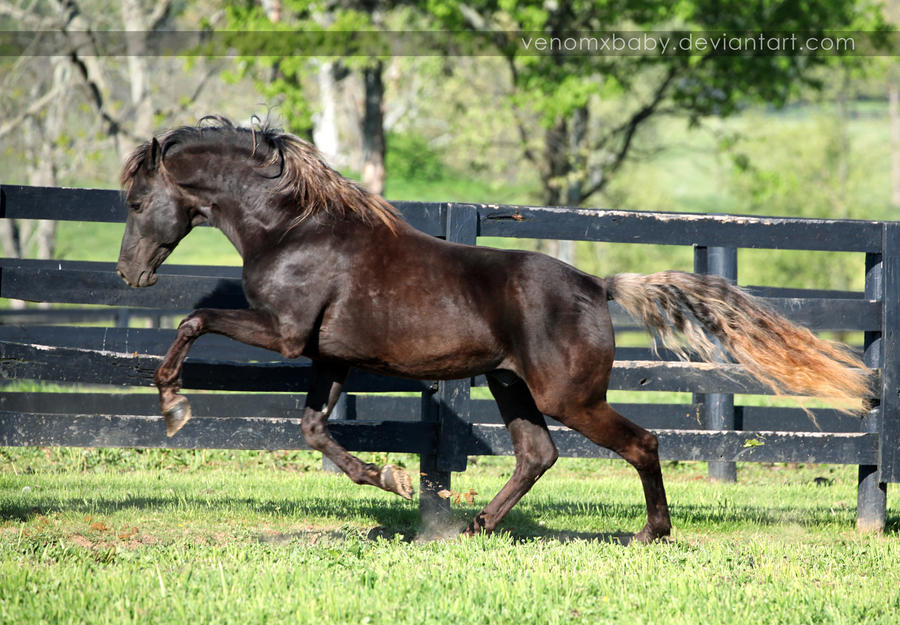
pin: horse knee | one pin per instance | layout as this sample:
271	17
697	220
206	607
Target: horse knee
548	455
548	459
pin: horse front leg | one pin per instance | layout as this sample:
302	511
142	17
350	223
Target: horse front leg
325	389
247	326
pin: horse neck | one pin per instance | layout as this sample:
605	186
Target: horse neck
251	222
258	223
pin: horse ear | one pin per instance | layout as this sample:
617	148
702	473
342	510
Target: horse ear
155	155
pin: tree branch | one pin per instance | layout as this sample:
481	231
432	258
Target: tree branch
473	18
201	85
629	128
88	67
34	109
158	15
520	124
26	16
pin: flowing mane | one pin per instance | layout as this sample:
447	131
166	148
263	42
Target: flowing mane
304	175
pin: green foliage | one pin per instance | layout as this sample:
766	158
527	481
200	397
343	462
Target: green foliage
610	97
805	168
614	94
558	83
410	156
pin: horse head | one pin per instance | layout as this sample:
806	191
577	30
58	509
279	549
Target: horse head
254	185
160	214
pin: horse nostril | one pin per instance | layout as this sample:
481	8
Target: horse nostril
122	275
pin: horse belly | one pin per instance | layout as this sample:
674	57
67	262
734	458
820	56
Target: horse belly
419	345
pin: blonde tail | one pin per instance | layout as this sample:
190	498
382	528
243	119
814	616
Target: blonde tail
686	309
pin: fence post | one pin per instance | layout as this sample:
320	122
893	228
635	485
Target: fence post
871	496
718	408
890	355
448	405
883	284
433	509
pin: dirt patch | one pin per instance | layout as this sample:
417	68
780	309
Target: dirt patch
104	541
81	541
147	539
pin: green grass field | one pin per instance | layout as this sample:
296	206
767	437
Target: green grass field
122	536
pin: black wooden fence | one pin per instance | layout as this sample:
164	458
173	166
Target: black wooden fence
442	422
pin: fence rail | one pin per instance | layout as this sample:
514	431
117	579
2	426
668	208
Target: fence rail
440	421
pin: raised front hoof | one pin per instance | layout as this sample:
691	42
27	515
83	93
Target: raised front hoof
396	480
177	414
477	526
650	535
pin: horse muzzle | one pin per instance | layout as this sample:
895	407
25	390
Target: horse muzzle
138	263
137	279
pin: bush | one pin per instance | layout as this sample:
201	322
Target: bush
411	156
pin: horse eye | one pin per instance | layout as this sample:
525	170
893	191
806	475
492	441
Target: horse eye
135	206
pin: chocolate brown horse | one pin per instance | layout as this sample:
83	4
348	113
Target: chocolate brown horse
332	273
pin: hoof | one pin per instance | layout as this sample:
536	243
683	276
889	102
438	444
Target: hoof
177	414
477	526
472	530
649	535
396	480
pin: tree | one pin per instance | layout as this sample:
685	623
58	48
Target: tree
286	80
579	117
569	131
79	103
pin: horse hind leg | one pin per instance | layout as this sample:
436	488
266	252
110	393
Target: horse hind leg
325	390
534	449
607	428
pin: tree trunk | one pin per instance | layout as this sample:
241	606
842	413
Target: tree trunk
373	129
565	150
556	157
272	9
135	22
325	127
894	109
577	169
557	169
43	171
40	135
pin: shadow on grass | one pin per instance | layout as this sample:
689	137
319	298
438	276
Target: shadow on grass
451	532
398	520
399	516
